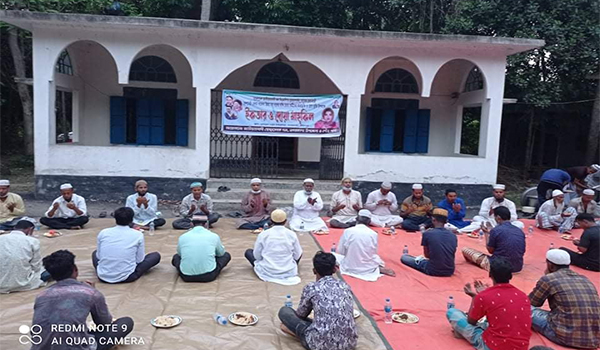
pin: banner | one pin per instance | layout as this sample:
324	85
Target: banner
260	114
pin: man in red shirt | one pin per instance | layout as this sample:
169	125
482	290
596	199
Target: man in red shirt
507	309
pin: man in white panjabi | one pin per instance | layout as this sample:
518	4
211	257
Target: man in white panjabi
357	251
307	205
554	215
486	210
382	203
345	205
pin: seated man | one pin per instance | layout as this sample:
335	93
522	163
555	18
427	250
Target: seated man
69	302
12	207
508	324
200	254
456	210
588	245
67	211
120	255
145	206
345	204
197	204
20	260
307	205
256	206
552	179
416	209
439	247
504	240
333	326
486	211
553	215
276	252
357	251
586	203
382	203
574	305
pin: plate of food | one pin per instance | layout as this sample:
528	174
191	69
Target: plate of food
472	235
405	317
319	232
257	231
387	231
166	321
52	234
567	237
241	318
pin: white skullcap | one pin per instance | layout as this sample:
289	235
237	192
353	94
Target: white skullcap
256	180
66	186
556	193
386	185
499	187
365	213
595	167
309	180
417	187
558	257
4	183
588	192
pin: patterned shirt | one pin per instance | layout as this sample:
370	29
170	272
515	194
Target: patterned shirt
187	201
333	327
574	307
68	303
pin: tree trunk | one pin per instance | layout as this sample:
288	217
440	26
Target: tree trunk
542	143
530	143
24	93
593	145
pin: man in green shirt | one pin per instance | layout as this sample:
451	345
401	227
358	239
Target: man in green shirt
200	254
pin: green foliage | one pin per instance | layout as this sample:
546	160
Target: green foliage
471	121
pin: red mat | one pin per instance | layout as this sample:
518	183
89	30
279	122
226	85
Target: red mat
426	296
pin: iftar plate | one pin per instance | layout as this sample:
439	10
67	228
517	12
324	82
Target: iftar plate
319	232
472	235
166	321
386	231
405	317
567	237
528	210
52	234
241	318
257	231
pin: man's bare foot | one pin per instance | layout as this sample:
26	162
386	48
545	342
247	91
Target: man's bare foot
286	330
387	272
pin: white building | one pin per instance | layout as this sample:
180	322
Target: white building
141	97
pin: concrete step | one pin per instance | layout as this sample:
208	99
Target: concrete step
236	194
272	184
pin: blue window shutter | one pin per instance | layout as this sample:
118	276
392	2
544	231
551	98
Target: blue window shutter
143	121
368	129
118	119
181	123
157	122
388	121
411	123
423	131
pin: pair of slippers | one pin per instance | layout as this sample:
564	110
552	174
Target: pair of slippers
223	189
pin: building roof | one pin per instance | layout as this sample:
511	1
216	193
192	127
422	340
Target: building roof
38	20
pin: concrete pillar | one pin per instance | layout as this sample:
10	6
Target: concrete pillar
353	113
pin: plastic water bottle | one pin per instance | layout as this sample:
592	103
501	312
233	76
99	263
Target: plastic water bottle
266	226
38	226
288	301
220	319
151	233
333	248
481	234
551	246
530	231
405	250
450	303
387	308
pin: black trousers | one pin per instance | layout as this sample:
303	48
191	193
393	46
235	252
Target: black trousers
151	260
581	261
338	224
159	222
64	223
542	189
288	317
412	223
254	225
186	224
124	326
221	261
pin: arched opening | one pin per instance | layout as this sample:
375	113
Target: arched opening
152	68
277	156
397	80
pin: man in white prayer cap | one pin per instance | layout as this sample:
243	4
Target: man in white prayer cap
486	211
554	215
416	210
196	205
586	203
256	206
145	206
345	205
383	204
12	207
307	205
68	211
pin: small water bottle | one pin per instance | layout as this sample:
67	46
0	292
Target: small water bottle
450	304
38	226
333	248
387	308
393	231
288	301
422	228
220	319
551	246
481	234
151	232
530	231
266	226
405	250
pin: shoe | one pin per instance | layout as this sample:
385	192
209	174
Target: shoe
102	214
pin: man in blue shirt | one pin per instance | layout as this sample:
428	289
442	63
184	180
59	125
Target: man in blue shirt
552	179
504	240
456	210
439	247
200	254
